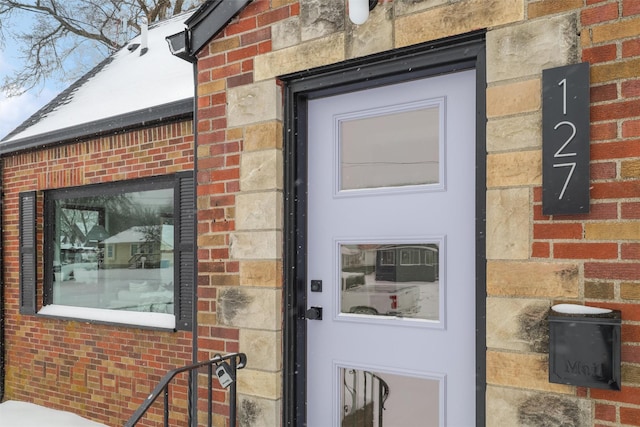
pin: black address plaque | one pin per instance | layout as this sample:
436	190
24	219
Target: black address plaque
565	140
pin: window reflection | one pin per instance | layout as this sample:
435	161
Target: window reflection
114	251
377	399
399	280
392	149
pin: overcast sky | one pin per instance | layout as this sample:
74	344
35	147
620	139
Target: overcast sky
15	110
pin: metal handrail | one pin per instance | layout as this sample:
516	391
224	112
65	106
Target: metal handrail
354	390
236	361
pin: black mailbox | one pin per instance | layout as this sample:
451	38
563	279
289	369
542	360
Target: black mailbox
584	346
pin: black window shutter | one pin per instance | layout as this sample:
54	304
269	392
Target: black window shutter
185	252
28	252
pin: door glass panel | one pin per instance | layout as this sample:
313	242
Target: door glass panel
392	149
375	399
400	280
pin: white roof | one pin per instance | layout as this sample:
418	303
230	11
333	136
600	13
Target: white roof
130	82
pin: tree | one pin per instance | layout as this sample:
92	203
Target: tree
66	38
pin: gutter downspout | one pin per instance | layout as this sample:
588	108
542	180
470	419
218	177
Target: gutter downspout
194	333
179	45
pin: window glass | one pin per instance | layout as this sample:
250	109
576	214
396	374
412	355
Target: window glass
377	399
391	280
395	149
114	251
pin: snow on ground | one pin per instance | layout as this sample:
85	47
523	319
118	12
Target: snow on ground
23	414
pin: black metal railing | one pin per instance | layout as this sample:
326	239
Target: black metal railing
365	394
230	364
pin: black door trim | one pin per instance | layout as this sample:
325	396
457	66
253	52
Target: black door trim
444	56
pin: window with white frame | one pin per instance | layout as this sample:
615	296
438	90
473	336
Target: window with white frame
121	252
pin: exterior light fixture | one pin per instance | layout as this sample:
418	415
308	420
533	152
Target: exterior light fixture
359	10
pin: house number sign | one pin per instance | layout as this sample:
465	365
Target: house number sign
565	140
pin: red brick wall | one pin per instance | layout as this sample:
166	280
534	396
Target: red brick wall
605	241
101	372
225	63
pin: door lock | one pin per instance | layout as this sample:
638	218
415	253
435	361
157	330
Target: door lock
314	313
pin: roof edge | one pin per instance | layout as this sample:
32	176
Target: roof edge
59	99
141	118
208	20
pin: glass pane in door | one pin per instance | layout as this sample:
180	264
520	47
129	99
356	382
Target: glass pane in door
399	280
377	399
393	148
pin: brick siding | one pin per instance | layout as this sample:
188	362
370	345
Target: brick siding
603	242
102	372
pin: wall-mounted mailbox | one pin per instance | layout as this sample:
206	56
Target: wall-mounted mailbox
584	346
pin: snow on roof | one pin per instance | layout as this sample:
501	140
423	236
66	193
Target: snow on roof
125	82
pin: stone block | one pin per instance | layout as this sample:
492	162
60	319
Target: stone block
261	170
254	245
263	136
518	324
508	224
514	169
253	308
263	348
315	53
259	211
514	98
319	18
513	407
259	383
261	273
520	370
375	35
254	103
285	33
526	49
257	412
515	133
456	18
533	279
405	7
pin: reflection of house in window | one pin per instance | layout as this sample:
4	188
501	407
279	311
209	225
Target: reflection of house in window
408	263
140	247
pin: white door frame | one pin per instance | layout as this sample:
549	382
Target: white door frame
456	53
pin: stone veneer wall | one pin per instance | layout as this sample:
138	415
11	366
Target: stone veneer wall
533	260
102	372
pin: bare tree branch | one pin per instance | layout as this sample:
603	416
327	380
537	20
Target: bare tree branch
52	48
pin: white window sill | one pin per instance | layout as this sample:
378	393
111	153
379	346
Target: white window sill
131	318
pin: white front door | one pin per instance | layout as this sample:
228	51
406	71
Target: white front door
391	255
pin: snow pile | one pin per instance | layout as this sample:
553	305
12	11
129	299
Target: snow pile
23	414
579	309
